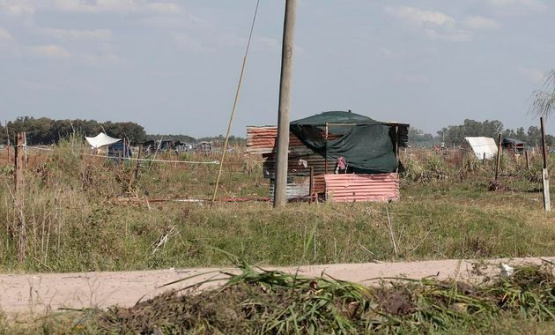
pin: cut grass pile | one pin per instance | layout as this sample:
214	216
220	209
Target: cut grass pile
271	302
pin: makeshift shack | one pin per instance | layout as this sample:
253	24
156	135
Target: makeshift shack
514	145
337	156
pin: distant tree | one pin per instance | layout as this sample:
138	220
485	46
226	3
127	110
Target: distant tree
419	138
129	130
48	131
3	136
544	100
521	135
454	135
491	128
534	136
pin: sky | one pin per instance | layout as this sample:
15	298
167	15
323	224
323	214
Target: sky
173	66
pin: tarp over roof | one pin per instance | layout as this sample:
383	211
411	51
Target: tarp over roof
483	147
368	146
512	142
101	140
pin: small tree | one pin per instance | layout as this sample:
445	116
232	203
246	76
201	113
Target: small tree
544	100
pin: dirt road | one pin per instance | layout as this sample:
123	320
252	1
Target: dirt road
33	294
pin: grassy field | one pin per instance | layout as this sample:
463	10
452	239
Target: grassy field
91	214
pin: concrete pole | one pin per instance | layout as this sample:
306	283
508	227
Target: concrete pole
280	190
545	174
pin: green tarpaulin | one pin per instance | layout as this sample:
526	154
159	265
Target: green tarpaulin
367	146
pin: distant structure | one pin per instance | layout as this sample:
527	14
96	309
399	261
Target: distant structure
337	156
482	147
514	145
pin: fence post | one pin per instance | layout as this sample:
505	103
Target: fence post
19	200
545	175
499	153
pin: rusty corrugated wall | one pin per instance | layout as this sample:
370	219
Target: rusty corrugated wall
362	187
335	187
261	140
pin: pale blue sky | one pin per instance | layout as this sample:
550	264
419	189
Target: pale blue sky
173	66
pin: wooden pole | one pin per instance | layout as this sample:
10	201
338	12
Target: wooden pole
397	148
326	150
280	196
138	164
545	175
19	201
527	159
311	185
499	153
8	138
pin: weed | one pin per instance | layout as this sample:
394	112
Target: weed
258	301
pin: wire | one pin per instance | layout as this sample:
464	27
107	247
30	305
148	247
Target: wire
135	159
235	103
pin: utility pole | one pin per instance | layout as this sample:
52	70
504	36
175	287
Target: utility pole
280	189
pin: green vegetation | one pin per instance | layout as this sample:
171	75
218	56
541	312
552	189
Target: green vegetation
544	100
272	302
88	214
47	131
454	135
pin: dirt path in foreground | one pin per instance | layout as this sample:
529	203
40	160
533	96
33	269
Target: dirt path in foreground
34	294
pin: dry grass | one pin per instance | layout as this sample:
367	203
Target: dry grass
77	220
272	302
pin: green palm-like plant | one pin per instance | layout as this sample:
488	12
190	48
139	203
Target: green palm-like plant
544	100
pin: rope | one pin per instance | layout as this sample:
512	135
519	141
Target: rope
235	103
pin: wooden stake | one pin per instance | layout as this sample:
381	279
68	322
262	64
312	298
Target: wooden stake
326	151
311	185
19	201
136	175
545	175
499	152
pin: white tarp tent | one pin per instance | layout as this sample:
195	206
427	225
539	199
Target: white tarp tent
101	140
483	147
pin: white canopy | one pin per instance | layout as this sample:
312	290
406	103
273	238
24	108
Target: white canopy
101	140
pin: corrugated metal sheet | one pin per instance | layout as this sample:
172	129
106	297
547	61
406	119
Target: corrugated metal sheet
336	187
298	165
262	140
482	146
293	190
362	187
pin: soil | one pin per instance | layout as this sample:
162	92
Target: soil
29	295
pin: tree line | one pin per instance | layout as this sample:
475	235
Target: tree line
47	131
454	135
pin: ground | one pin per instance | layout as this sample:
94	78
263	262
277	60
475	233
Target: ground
24	295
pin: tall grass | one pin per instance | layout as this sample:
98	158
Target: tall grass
88	214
